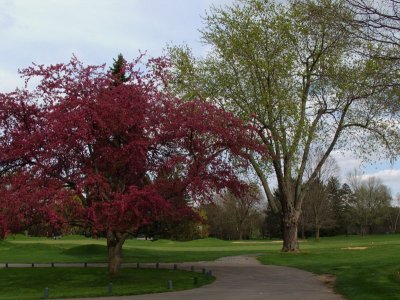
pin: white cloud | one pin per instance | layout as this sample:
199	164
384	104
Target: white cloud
387	173
346	161
390	177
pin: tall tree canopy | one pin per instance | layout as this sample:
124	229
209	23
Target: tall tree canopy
377	21
79	149
295	71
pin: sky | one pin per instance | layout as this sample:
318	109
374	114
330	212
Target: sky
96	31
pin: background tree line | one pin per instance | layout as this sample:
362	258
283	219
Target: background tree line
354	207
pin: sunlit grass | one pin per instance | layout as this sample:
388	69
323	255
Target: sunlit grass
365	267
79	249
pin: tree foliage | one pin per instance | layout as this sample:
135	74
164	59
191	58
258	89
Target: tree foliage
317	210
294	71
369	204
332	209
377	21
79	149
233	216
118	70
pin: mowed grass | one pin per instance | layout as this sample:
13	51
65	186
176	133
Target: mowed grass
30	283
365	267
79	249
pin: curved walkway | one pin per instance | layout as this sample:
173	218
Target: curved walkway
245	278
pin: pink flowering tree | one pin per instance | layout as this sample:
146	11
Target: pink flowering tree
82	149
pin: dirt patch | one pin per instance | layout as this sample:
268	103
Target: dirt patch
355	248
328	279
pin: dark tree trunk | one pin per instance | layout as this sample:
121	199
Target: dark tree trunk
240	231
303	229
290	218
397	220
317	232
114	246
290	239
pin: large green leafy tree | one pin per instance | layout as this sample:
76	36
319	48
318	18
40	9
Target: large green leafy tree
295	72
370	203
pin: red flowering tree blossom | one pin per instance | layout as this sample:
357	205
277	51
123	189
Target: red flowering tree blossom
80	149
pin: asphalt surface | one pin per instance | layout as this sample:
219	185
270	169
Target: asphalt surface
244	278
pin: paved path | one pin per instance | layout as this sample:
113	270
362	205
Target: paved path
244	278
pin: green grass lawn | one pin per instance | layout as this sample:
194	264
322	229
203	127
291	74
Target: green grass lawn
365	267
67	282
78	249
89	282
370	273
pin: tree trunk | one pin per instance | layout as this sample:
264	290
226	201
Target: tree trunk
397	220
290	221
114	246
317	226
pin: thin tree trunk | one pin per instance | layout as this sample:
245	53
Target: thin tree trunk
239	229
317	226
114	246
397	219
303	229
